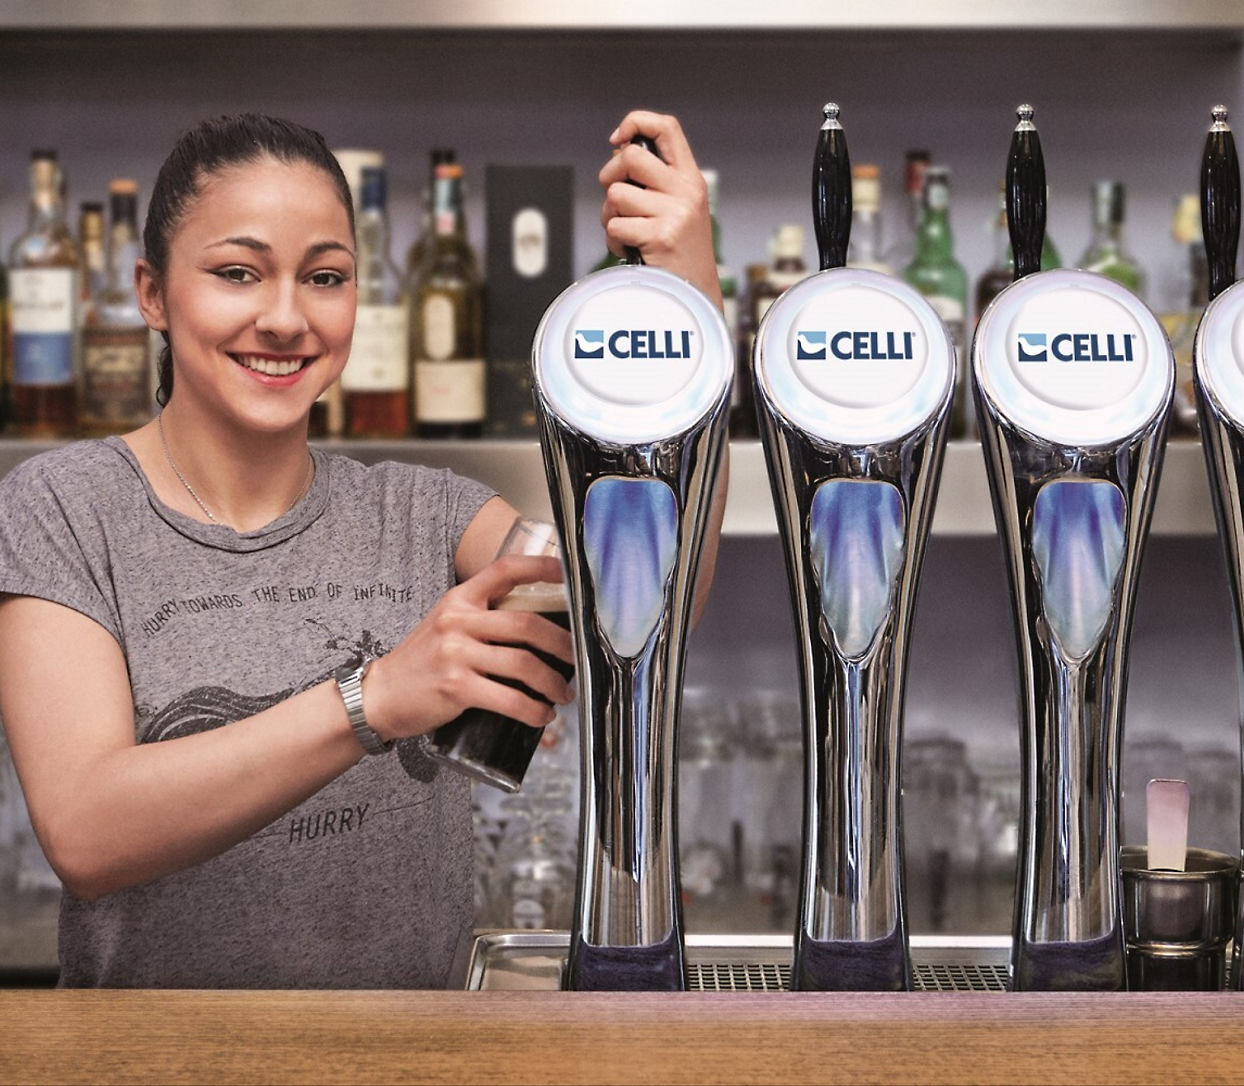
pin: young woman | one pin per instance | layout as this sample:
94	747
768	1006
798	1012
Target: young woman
187	612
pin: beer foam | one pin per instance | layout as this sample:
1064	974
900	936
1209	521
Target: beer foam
538	596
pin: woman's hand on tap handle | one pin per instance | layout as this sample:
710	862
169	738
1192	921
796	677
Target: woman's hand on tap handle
667	218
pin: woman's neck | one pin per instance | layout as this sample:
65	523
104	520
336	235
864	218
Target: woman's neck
237	477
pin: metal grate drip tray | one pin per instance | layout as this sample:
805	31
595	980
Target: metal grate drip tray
534	960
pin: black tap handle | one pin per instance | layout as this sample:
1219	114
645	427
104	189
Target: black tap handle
1220	202
831	192
1025	195
633	255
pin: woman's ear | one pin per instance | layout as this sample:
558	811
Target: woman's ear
150	296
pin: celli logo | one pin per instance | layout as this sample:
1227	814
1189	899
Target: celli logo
589	344
854	346
632	343
810	346
1077	347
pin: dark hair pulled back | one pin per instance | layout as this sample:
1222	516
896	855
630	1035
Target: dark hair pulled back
213	146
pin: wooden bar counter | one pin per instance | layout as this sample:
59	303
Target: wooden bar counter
551	1037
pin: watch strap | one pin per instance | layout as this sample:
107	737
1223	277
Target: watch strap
351	686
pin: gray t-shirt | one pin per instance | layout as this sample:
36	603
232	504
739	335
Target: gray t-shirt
369	883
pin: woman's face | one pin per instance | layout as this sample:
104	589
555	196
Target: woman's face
258	294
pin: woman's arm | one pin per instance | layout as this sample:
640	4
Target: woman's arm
112	813
668	222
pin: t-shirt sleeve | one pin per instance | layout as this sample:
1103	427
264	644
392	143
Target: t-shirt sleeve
464	499
46	540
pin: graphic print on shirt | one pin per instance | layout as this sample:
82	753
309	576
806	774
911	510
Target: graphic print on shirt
207	707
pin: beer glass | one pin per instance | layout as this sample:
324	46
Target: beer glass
486	745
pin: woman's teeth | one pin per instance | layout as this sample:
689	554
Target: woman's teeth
270	366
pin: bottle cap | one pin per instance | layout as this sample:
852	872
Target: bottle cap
866	187
631	355
123	186
855	357
1073	358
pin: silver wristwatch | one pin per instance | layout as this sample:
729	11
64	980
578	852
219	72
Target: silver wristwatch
350	682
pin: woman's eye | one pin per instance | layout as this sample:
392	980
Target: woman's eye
236	274
326	279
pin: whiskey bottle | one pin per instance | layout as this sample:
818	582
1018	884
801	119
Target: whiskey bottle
115	391
328	413
376	379
92	250
44	298
447	322
440	156
936	274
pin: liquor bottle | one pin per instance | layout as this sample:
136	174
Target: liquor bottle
1001	273
743	422
900	253
1186	295
741	389
376	378
328	413
44	297
440	156
115	391
447	322
1106	253
936	273
865	249
92	254
786	270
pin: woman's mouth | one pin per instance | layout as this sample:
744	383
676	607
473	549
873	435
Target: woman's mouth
271	365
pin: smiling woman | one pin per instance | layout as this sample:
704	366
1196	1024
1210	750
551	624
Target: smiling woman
193	664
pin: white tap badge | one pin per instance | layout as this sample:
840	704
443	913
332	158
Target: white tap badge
1073	358
855	356
633	345
632	354
1219	352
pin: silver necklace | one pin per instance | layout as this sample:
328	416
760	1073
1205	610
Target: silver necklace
306	483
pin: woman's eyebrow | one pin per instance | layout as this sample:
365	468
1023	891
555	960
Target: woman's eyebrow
246	243
321	247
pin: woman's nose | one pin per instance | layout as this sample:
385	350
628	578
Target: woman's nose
282	315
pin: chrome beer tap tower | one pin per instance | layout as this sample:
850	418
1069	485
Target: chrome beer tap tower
632	368
1218	373
1073	379
854	376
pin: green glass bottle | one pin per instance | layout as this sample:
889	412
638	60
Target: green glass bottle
936	274
1106	254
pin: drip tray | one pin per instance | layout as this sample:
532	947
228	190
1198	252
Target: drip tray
534	961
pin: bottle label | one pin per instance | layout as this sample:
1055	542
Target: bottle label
42	302
438	327
379	354
529	242
449	391
116	384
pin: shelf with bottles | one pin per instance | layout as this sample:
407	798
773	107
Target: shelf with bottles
515	468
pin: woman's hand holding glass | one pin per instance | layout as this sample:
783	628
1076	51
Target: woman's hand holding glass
454	658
